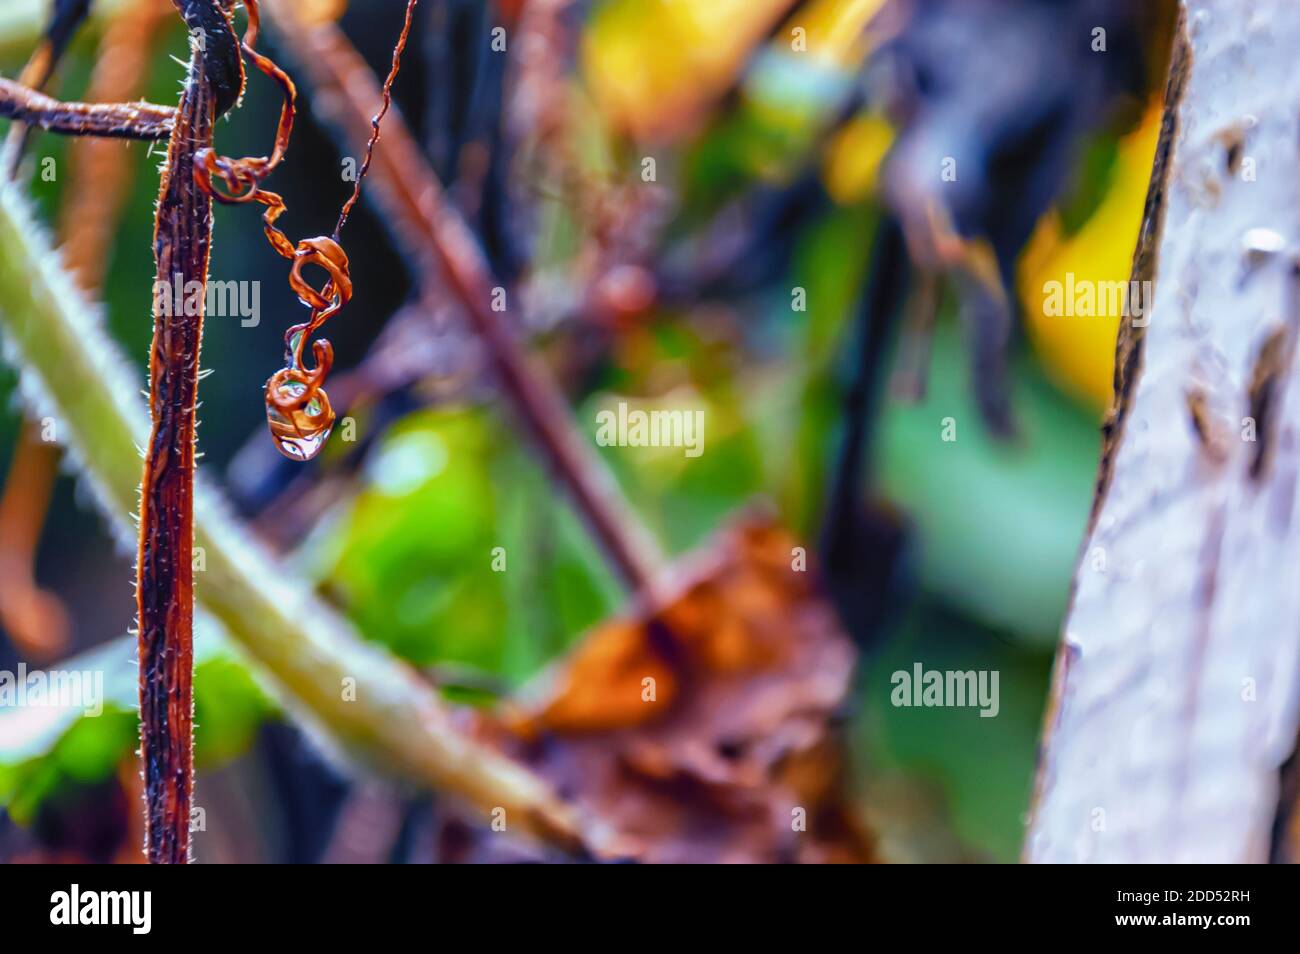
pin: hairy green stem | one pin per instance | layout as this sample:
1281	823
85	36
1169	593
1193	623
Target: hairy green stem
364	703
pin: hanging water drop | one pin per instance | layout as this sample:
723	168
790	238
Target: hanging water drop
299	417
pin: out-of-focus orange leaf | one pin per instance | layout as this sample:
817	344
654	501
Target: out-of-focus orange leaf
603	683
314	12
731	753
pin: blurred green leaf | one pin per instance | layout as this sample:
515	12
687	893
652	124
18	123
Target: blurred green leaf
683	498
412	559
983	767
999	523
44	748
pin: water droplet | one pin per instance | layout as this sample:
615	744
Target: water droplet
299	428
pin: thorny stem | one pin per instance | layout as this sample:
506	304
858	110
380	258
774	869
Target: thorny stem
164	568
395	724
113	120
433	233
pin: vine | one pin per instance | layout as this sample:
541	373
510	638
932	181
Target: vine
298	409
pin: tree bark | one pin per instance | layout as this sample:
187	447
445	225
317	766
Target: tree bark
1175	701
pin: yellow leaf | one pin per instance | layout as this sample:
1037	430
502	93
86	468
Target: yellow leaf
1075	337
853	158
832	30
653	65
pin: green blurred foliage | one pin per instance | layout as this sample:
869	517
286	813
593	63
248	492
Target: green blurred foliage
412	556
412	553
982	767
42	750
999	523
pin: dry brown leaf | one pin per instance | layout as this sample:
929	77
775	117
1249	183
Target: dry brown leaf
737	741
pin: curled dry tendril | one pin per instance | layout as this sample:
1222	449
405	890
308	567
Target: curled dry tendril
298	410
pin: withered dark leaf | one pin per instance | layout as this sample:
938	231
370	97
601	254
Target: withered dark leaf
732	752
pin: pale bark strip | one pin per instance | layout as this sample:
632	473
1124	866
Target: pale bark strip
1176	695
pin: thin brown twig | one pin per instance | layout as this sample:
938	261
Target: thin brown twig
433	234
141	120
386	97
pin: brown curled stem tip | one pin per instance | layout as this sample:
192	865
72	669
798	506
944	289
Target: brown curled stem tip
243	178
337	291
428	228
298	410
145	121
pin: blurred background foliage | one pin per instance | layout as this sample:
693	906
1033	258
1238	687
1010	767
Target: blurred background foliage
732	108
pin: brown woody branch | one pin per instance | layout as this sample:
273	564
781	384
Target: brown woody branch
113	120
164	571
